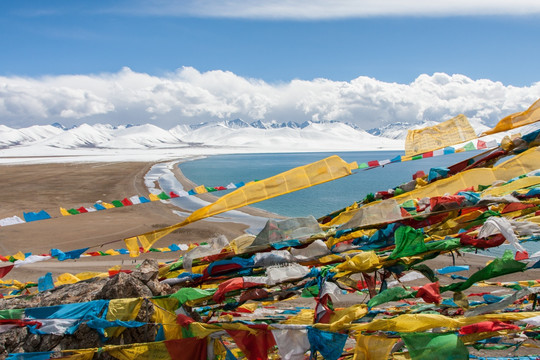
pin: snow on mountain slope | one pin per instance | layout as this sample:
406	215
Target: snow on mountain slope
291	137
399	130
256	137
82	136
143	136
12	137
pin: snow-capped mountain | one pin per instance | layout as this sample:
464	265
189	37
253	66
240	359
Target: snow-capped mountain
398	130
258	136
14	137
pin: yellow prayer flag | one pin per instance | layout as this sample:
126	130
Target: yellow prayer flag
84	354
111	252
373	347
513	186
304	317
122	309
144	351
153	197
529	116
107	205
19	256
132	246
200	189
168	318
64	212
66	278
363	262
295	179
450	132
422	322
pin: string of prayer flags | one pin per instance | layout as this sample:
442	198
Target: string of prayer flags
446	151
289	181
529	116
450	132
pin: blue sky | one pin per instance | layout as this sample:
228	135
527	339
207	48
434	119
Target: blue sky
274	44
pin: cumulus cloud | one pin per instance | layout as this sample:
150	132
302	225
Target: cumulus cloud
323	9
188	96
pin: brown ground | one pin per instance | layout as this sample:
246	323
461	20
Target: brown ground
51	186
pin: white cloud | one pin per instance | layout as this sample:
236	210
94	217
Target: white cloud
189	96
336	9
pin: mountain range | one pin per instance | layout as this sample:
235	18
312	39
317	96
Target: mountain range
259	136
224	137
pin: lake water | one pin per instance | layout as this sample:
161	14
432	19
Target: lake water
319	200
220	170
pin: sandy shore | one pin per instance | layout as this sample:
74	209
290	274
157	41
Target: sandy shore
51	186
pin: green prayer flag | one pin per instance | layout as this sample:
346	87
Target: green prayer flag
409	241
310	291
177	265
409	204
186	294
498	267
10	314
470	146
447	244
117	203
426	271
391	294
163	196
417	157
435	346
363	166
73	211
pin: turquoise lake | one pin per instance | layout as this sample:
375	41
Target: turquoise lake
220	170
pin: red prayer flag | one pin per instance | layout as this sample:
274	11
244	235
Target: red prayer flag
491	241
115	272
254	346
481	145
515	207
82	210
427	154
486	326
373	163
187	349
230	285
418	174
430	293
4	270
173	195
404	213
126	202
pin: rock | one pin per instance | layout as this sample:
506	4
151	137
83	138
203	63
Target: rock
158	288
140	283
123	286
12	341
148	271
66	294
